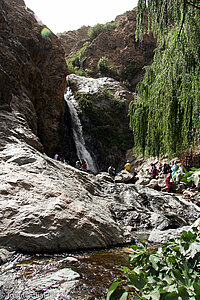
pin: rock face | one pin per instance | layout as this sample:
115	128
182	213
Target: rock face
48	206
32	73
74	38
126	57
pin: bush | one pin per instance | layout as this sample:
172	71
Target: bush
75	64
169	272
94	31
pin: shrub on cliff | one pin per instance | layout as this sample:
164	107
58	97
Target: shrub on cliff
75	64
105	122
94	31
106	68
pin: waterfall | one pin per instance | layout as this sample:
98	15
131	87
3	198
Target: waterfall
82	152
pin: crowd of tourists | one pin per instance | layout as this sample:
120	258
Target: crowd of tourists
171	174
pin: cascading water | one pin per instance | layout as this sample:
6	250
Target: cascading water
82	152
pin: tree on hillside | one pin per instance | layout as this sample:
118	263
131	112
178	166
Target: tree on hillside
164	115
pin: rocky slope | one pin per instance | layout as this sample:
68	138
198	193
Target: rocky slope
126	57
71	39
50	206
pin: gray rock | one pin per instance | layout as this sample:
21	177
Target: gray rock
153	184
105	176
5	255
124	176
46	205
161	237
143	180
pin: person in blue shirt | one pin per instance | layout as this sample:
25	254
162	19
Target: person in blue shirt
174	168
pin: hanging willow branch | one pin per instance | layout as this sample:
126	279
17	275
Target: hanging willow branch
165	117
195	4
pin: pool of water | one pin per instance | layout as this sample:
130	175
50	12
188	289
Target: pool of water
83	275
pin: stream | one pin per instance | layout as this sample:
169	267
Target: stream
83	275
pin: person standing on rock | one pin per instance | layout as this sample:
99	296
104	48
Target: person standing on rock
127	166
167	182
165	170
174	168
56	156
154	171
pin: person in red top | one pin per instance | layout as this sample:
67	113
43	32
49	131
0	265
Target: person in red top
167	182
83	166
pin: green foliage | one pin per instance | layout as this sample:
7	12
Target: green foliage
193	175
105	68
129	71
169	95
94	31
103	64
105	124
75	64
168	272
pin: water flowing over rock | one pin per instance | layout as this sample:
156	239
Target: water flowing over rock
103	111
82	152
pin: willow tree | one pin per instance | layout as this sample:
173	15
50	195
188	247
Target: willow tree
164	115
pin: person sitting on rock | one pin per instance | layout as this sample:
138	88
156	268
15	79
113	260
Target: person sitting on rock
78	164
56	156
111	171
127	166
167	182
154	171
165	170
84	166
174	168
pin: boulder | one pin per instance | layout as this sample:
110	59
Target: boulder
143	180
105	176
153	184
161	237
124	176
5	255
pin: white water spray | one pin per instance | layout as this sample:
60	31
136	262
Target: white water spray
82	152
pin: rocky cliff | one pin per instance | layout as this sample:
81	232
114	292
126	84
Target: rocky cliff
126	57
32	73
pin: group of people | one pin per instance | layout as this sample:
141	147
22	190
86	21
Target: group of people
81	165
112	170
59	157
168	173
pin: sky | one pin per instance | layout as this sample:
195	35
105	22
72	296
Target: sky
66	15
